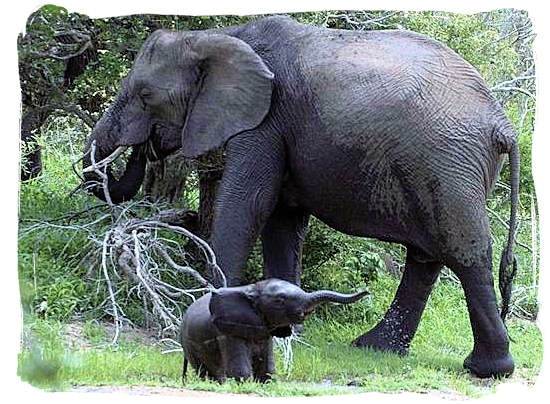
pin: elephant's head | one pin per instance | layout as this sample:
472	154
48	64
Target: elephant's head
190	90
261	309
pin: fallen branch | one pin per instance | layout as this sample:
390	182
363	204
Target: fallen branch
146	257
109	286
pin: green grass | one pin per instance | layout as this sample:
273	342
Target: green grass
327	366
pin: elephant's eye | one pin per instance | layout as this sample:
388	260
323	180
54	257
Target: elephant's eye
145	94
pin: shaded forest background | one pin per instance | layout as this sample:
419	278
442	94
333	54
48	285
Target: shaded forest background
70	69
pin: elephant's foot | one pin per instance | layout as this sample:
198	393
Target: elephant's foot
385	338
483	365
263	378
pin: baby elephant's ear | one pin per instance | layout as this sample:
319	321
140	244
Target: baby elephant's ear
234	315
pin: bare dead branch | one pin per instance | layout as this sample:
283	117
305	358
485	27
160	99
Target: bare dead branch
514	89
361	20
102	174
185	269
109	286
106	161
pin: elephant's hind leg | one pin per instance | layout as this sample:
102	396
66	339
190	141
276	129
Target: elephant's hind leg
395	331
468	255
490	356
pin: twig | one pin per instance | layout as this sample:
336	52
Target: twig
106	161
34	272
86	44
68	217
516	89
102	175
109	286
181	268
157	302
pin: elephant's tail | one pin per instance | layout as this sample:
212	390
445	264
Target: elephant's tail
184	370
508	257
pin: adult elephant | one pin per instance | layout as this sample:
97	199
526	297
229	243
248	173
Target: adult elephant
384	134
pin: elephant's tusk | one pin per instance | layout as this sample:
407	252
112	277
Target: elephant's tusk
106	161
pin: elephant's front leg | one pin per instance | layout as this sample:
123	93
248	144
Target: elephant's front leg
395	331
246	198
262	363
236	358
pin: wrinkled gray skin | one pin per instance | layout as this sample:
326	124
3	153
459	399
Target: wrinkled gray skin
227	333
384	134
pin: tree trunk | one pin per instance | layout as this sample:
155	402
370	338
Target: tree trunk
31	122
166	179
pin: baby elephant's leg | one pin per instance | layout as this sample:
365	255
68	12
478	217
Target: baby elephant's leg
236	358
262	361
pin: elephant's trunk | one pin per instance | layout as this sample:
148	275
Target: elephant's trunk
104	138
321	296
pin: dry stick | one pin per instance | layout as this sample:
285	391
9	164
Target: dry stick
285	345
178	292
34	272
181	268
173	342
102	175
106	161
157	302
109	286
514	88
211	257
67	217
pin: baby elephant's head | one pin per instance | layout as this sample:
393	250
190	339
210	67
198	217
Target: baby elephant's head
258	310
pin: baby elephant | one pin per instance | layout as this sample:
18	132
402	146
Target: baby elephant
227	332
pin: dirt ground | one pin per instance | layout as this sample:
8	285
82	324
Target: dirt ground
152	391
507	391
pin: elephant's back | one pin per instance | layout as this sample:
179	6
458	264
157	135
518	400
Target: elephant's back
405	118
384	79
196	323
398	103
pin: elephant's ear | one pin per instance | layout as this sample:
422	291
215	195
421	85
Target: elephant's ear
234	93
233	314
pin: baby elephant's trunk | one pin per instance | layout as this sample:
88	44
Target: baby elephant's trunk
321	296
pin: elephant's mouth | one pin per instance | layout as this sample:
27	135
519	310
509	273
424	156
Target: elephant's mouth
100	156
163	140
100	178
